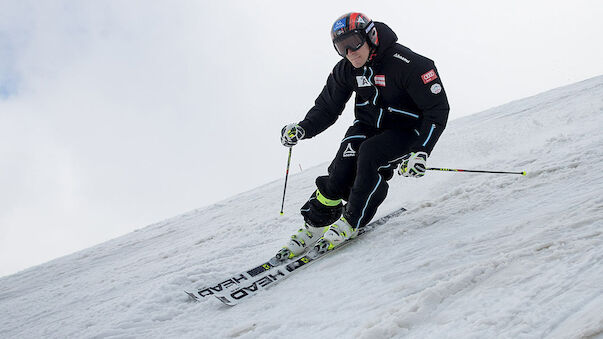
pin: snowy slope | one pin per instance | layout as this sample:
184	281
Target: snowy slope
475	256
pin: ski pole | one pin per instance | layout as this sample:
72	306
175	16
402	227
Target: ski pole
472	171
286	177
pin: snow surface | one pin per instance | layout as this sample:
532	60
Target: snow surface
475	255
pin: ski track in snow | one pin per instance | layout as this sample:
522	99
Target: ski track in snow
475	255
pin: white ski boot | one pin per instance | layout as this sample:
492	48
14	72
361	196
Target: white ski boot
303	239
337	234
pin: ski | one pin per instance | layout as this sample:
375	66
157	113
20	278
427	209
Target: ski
234	281
249	287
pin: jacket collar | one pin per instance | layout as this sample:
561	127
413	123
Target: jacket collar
387	38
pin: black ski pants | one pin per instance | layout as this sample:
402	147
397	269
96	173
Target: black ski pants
364	163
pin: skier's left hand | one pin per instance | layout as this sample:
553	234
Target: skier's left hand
414	165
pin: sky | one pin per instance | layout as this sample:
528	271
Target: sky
118	114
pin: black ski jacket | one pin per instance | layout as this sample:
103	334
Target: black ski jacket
397	89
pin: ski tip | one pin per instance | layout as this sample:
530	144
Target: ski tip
282	213
225	300
191	297
524	173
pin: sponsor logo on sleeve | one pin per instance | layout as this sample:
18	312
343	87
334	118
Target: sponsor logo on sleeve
429	76
398	56
380	80
436	88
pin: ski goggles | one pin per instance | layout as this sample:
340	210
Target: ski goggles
351	41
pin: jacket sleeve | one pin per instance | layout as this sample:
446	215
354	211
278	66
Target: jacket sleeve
330	103
424	85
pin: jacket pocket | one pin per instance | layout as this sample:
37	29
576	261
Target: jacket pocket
402	112
398	119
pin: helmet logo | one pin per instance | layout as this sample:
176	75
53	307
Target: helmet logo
339	24
360	20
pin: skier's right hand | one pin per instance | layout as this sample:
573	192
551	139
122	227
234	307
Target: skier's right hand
291	134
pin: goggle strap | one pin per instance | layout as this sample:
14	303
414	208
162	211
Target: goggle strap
369	27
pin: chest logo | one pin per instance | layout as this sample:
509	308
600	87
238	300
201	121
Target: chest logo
362	81
380	80
429	76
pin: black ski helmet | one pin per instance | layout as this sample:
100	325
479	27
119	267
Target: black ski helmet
353	23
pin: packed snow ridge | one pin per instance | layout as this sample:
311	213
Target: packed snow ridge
475	255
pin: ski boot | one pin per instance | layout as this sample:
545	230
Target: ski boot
303	239
337	234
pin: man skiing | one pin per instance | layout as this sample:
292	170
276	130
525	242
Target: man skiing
401	109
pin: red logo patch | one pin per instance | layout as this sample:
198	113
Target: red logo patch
380	80
429	76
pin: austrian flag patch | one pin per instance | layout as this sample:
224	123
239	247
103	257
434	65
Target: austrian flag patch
429	76
380	80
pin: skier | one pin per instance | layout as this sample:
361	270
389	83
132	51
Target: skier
400	111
